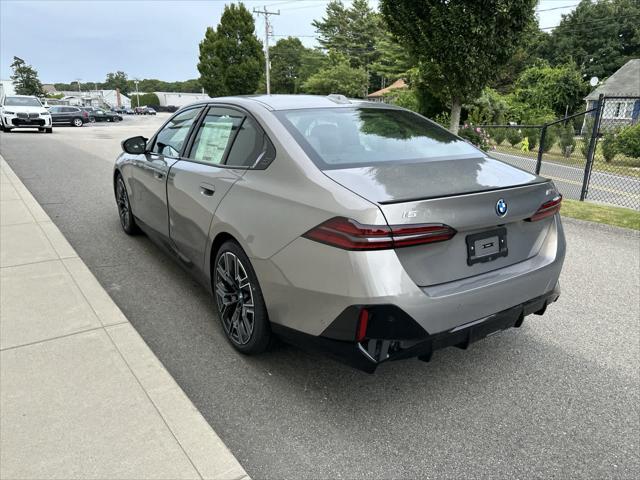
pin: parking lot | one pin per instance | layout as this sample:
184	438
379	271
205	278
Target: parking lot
559	397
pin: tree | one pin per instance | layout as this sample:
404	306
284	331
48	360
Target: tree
351	32
599	37
231	57
393	61
117	80
338	77
286	62
560	89
25	78
460	42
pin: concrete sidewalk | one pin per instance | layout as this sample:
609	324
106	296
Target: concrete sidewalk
81	394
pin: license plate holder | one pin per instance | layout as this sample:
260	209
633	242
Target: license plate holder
487	246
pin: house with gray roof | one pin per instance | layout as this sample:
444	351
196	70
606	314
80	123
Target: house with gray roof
623	89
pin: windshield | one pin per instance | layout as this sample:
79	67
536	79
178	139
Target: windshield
22	102
358	137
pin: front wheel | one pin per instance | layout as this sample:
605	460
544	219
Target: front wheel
127	221
48	130
77	122
239	301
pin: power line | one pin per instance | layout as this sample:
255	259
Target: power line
557	8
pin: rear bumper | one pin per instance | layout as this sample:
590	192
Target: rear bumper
369	353
307	285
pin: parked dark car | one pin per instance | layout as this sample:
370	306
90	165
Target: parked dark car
98	115
74	116
144	111
129	111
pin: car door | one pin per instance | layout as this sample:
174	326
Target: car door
56	114
221	149
150	176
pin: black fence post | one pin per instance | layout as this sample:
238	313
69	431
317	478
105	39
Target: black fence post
592	148
540	149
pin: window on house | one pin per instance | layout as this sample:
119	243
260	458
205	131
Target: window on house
618	110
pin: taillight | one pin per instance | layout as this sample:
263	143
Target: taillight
348	234
547	209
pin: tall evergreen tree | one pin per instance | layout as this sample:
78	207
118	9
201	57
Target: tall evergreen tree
461	43
231	56
350	31
25	78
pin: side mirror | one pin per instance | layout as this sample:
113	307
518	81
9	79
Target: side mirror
135	145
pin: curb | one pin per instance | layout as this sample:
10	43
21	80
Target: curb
205	450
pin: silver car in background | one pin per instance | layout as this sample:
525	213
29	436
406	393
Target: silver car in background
358	228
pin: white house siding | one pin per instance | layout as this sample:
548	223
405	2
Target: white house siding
179	99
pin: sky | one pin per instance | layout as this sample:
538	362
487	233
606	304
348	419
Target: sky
85	39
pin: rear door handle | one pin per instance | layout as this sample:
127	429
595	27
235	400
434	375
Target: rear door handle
207	190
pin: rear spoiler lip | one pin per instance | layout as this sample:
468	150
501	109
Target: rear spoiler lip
484	190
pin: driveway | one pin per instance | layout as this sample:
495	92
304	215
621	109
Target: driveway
558	397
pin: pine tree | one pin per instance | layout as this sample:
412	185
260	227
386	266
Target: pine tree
231	56
25	78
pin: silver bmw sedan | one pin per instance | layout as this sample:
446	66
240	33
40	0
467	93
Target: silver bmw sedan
361	229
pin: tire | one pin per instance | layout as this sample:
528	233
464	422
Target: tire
41	130
48	130
127	220
77	122
92	119
239	301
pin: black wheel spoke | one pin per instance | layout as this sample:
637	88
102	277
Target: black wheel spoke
234	297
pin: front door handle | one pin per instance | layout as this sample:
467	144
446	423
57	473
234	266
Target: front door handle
207	190
158	175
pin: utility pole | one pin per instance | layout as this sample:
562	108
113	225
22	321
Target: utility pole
267	27
136	81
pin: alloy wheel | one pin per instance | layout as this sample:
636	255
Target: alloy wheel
124	211
234	297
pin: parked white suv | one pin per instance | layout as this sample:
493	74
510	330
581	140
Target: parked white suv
24	111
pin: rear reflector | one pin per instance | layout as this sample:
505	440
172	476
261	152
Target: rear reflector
547	209
363	323
348	234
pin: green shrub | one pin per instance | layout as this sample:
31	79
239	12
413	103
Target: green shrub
514	136
628	141
586	137
475	135
567	139
498	134
550	138
533	134
609	147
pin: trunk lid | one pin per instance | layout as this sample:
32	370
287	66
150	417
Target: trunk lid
463	194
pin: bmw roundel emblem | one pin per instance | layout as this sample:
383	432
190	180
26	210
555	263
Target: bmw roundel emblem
501	207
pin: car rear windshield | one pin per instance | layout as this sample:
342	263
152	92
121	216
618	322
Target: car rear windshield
22	102
337	138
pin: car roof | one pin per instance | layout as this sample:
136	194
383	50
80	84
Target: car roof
292	102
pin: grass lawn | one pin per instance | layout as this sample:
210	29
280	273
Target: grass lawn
620	217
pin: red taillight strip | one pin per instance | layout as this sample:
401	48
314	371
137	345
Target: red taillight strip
350	235
547	209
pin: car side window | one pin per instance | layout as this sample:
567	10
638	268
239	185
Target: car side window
171	138
248	145
215	135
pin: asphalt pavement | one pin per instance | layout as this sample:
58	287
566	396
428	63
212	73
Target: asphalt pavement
618	190
559	397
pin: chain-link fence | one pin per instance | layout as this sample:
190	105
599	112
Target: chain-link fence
592	155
